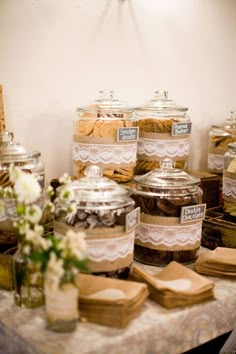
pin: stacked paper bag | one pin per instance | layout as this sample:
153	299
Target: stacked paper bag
110	302
175	285
220	262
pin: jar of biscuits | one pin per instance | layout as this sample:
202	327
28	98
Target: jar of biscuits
219	137
106	213
229	183
29	161
171	216
25	158
105	134
164	132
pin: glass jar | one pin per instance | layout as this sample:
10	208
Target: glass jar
27	281
24	158
219	138
105	134
105	212
171	216
229	183
62	305
164	132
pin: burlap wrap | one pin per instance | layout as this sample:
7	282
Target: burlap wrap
103	234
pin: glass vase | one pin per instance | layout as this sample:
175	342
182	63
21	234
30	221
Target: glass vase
28	283
62	306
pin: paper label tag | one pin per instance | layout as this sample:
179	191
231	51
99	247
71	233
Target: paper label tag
192	212
127	134
181	128
132	219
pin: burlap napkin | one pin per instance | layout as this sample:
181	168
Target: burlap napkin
110	302
175	285
220	262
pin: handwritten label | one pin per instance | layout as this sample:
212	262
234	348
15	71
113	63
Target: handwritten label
192	212
132	219
181	128
127	134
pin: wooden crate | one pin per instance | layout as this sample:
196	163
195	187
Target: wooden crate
211	187
217	231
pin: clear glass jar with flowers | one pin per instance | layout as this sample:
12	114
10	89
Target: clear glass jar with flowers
21	209
60	263
58	259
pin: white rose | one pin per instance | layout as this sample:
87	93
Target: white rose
27	188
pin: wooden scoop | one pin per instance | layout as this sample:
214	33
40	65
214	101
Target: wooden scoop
2	117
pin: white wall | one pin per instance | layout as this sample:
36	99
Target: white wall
57	54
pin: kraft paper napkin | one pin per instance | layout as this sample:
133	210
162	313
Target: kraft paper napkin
175	285
220	262
110	302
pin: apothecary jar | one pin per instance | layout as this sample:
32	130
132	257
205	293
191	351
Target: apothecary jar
171	216
105	134
164	132
105	212
219	137
229	183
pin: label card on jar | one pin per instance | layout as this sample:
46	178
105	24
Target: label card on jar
181	128
132	219
192	213
127	134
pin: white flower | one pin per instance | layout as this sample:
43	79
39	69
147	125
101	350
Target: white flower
55	271
26	249
27	188
76	243
14	173
65	179
33	214
50	191
50	206
66	194
72	209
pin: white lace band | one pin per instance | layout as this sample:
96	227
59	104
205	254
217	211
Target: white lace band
229	188
168	237
215	162
105	154
162	148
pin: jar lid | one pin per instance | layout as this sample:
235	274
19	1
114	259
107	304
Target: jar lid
160	103
230	122
167	177
14	152
106	106
93	187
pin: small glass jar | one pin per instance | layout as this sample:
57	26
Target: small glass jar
27	281
164	132
229	183
24	158
219	137
105	134
27	160
104	210
171	216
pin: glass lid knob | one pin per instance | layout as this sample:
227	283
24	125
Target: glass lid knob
93	171
161	95
167	164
